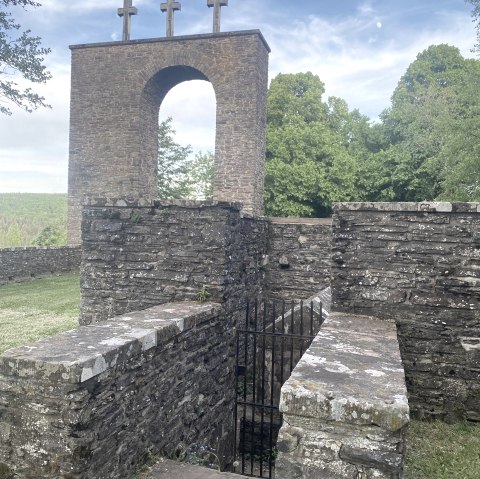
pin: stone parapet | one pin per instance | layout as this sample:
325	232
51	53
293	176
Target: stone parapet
299	257
17	264
417	264
94	401
345	406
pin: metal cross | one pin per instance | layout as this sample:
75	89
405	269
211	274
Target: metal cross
170	7
217	6
126	12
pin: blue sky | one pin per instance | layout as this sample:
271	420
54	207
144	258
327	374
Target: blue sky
359	49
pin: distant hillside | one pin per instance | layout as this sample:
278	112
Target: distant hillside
32	219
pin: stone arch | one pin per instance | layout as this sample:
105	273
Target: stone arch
117	89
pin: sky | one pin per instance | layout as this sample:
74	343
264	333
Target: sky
359	49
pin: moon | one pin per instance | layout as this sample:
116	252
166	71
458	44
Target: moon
379	24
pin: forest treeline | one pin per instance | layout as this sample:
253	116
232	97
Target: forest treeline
425	146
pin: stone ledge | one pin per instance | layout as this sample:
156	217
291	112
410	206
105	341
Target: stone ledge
167	469
352	373
83	353
425	206
156	203
201	36
302	221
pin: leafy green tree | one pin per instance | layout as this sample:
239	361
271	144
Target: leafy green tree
200	176
429	108
476	20
50	236
308	163
173	164
20	54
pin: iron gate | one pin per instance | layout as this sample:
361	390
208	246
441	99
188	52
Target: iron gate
269	345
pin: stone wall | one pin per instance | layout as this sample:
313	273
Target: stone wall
345	408
139	254
299	257
24	263
419	264
117	90
92	403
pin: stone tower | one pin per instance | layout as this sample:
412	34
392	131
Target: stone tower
117	89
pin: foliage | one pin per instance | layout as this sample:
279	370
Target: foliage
436	450
200	176
431	106
203	294
20	54
24	216
35	309
309	162
179	175
173	161
476	20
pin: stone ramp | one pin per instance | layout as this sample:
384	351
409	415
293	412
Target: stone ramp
168	469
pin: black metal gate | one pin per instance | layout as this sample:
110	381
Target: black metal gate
269	345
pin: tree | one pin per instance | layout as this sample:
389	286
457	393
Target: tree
200	176
476	20
430	107
308	163
173	164
20	54
179	175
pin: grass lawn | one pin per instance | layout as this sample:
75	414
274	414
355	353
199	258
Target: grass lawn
39	308
443	451
42	307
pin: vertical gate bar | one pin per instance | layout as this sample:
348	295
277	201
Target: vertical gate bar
262	420
282	351
292	321
235	413
312	319
272	389
245	358
254	386
301	328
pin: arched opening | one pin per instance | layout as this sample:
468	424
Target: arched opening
187	126
186	95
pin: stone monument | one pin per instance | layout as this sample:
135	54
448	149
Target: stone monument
117	90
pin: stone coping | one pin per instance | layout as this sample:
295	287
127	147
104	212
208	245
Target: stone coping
352	373
80	354
201	36
156	203
168	469
301	221
41	248
424	206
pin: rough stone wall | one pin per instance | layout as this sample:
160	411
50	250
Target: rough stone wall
345	408
92	403
117	89
23	263
299	257
418	263
139	254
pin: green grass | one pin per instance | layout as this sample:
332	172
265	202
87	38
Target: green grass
443	451
23	216
37	309
42	307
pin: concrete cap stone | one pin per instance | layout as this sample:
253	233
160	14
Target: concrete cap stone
352	373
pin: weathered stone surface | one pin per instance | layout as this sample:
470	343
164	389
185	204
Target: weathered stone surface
18	264
166	469
345	406
299	257
417	263
117	89
139	254
91	403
